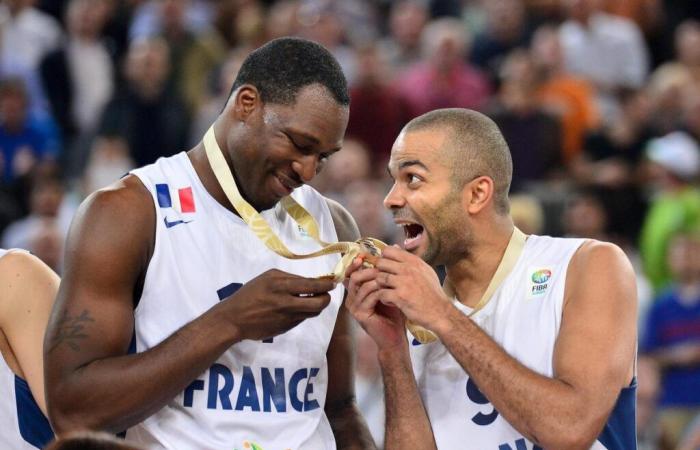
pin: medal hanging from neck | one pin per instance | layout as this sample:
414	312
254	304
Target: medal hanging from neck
259	226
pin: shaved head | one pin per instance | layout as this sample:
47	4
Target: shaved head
474	147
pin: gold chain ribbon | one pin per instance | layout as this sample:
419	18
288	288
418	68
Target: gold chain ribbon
510	258
301	216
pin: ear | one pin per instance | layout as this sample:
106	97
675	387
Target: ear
477	194
246	99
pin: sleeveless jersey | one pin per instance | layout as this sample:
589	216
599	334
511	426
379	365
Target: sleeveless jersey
267	394
523	317
22	424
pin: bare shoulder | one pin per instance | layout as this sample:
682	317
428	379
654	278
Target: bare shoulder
604	268
22	267
21	276
345	225
112	233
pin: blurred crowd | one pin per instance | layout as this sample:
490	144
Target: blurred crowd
599	101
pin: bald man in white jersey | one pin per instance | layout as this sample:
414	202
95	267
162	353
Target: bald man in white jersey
27	291
534	336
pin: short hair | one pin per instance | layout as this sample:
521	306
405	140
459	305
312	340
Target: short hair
282	67
475	147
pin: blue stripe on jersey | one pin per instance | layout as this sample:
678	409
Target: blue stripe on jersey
620	431
33	425
163	194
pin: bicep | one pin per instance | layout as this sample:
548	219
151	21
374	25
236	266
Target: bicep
595	349
105	255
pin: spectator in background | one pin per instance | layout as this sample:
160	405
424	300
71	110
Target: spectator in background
527	213
78	79
674	165
506	28
353	163
608	50
444	79
407	20
649	435
193	54
153	120
218	94
282	19
109	161
687	51
26	34
320	23
44	229
378	111
532	134
672	336
23	140
570	98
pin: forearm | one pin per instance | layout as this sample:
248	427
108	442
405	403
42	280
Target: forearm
407	424
547	411
115	393
350	428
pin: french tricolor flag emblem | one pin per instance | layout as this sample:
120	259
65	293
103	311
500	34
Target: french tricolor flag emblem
181	200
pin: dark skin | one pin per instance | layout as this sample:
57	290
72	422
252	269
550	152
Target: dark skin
92	323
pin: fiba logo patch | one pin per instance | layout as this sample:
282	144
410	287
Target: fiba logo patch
538	284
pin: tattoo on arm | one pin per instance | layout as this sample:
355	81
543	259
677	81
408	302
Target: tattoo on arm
71	329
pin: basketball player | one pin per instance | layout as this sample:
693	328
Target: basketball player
174	320
535	335
27	291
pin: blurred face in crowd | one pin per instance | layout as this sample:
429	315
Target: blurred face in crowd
445	44
406	22
505	18
280	147
86	18
423	199
684	258
148	65
173	13
13	107
581	10
688	43
546	48
585	217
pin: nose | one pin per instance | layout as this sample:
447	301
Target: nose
394	199
306	167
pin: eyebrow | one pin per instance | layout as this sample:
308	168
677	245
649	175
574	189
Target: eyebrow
413	162
301	134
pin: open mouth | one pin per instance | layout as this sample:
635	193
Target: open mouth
414	234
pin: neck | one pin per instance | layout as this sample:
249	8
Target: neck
471	275
200	162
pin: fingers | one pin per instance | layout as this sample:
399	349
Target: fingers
307	287
310	306
388	265
393	253
387	280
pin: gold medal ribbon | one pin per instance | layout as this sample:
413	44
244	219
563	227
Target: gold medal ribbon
301	216
510	257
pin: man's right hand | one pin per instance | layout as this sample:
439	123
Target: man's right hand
275	302
384	323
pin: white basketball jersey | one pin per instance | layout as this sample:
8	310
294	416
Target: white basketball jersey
259	394
22	424
523	317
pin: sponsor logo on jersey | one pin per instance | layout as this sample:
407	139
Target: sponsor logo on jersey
178	204
538	283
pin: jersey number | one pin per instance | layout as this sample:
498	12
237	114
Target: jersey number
477	397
